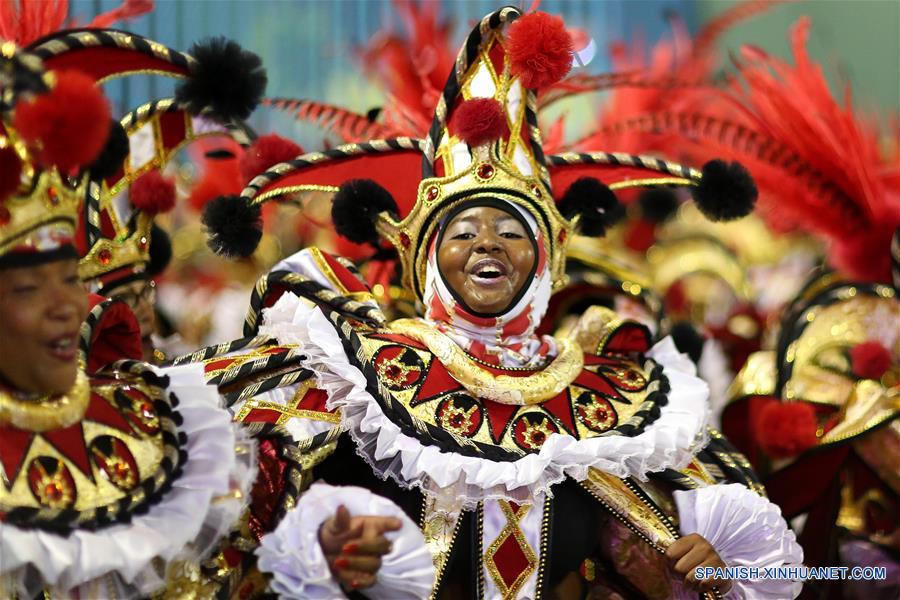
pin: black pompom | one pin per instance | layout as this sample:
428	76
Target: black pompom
160	251
597	204
658	204
726	191
226	80
356	207
688	340
113	155
233	225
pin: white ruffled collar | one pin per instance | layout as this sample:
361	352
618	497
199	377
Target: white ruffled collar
669	442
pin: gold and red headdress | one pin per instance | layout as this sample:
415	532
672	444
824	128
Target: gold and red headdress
484	142
53	124
220	85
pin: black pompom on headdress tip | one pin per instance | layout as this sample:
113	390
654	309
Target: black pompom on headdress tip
160	251
726	191
658	204
597	205
234	226
355	210
226	81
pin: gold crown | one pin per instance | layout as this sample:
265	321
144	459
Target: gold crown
118	232
42	215
510	168
491	178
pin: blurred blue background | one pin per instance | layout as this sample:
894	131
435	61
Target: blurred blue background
308	45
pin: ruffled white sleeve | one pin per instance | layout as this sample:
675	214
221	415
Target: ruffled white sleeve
292	555
746	530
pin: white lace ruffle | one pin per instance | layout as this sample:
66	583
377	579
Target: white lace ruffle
292	555
746	530
670	441
200	507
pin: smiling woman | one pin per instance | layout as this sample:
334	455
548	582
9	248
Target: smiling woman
486	254
41	310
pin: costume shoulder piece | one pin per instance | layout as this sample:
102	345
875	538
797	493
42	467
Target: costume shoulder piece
109	464
445	396
122	453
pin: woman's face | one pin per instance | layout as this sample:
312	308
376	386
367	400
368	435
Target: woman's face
485	256
41	310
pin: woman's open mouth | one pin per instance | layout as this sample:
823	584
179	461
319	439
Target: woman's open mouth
488	272
64	347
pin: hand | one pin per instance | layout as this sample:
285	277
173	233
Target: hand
692	551
354	546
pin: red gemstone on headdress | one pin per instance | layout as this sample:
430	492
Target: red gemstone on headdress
404	239
432	194
53	195
53	492
562	235
142	243
104	256
5	216
485	171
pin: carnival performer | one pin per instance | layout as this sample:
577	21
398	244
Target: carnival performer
818	414
531	465
108	480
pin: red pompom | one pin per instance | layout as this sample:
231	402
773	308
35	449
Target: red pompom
10	172
785	429
66	127
870	360
267	151
479	121
153	193
540	49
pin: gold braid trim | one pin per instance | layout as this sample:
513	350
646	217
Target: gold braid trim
47	412
505	389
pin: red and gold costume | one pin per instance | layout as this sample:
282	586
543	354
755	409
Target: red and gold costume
514	460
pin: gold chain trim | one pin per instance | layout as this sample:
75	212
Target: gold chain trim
47	412
505	389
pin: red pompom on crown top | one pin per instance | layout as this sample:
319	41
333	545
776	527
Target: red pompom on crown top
479	121
785	429
870	360
153	193
67	127
10	173
539	49
267	151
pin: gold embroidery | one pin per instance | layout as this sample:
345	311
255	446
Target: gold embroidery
504	389
511	533
46	413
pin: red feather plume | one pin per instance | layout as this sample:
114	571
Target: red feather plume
66	127
267	151
153	193
540	49
785	429
24	21
870	360
479	121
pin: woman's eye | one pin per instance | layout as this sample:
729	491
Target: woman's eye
511	235
463	236
24	289
73	280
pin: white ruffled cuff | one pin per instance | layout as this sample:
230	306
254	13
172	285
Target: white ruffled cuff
746	530
292	555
